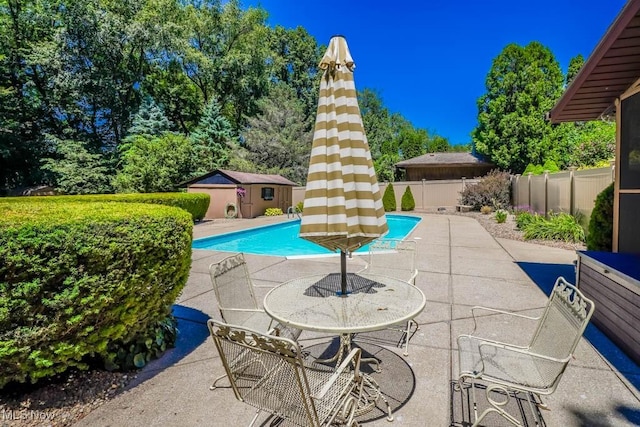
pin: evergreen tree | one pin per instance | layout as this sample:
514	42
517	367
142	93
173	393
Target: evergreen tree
279	138
522	86
407	203
575	64
150	120
212	140
389	199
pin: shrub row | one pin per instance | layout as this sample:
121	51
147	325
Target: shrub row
77	278
194	203
558	226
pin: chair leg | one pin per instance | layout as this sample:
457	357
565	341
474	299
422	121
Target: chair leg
214	385
496	405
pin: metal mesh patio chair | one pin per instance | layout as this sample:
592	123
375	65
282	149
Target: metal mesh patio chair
395	258
533	369
237	302
270	374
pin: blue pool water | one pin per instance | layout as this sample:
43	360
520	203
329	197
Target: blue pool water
282	239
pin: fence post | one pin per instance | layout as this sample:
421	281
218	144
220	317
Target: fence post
572	190
515	189
424	203
529	174
613	170
546	194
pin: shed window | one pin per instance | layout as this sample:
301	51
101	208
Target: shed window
267	193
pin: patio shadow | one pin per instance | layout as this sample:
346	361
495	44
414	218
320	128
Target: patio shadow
192	332
586	418
545	275
396	379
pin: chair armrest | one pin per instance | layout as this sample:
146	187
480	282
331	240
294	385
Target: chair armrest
489	341
518	350
495	310
352	358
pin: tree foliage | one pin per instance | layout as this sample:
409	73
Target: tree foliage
389	199
407	203
95	73
213	141
155	164
76	170
522	85
278	138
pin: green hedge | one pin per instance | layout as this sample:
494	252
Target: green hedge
194	203
76	278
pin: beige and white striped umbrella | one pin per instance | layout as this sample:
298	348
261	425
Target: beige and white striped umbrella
342	204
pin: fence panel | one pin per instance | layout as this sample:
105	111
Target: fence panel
520	191
588	184
538	196
559	192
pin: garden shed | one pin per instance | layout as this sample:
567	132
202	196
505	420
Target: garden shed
242	194
608	85
437	166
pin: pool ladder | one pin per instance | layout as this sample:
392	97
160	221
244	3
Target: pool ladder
291	212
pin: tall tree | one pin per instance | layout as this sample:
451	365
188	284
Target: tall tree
213	141
25	112
295	55
278	138
522	85
575	64
376	120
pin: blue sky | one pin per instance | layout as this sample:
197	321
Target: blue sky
429	59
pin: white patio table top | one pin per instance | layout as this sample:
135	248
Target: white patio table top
372	303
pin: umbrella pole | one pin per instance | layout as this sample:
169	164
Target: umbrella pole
343	273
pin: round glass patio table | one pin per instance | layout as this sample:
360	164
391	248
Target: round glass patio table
372	303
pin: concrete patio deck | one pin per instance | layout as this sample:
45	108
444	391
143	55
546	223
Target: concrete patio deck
460	265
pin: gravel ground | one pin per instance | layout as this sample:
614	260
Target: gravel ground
72	396
509	230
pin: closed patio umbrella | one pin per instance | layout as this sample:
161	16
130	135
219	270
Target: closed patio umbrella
342	204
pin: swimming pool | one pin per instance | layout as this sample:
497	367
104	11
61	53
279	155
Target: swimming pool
282	239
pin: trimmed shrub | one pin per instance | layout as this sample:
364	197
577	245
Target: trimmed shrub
561	226
78	278
389	199
601	222
501	216
299	207
407	203
273	212
493	190
194	203
551	166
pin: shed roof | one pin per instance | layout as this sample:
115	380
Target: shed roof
612	67
245	178
442	159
